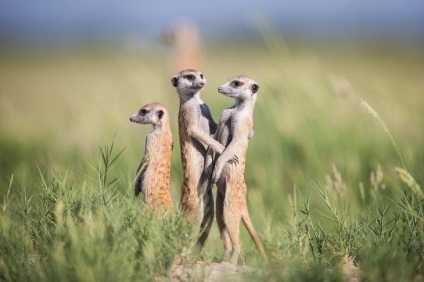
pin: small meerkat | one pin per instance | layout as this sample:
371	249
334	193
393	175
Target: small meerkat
154	172
195	126
235	128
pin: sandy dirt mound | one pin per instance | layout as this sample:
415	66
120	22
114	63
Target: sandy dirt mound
211	272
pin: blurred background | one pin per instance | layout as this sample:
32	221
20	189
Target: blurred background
46	24
71	73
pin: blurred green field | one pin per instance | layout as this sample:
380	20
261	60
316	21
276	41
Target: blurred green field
312	136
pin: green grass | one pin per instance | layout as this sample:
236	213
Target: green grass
334	169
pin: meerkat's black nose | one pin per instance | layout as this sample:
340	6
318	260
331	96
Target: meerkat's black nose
202	84
131	119
219	88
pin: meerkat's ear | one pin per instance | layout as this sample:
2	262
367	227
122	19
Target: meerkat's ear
255	88
174	81
160	114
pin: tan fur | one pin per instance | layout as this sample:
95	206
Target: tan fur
154	172
235	128
195	124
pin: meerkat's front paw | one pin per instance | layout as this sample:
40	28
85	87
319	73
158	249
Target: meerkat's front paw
137	191
215	178
234	160
208	164
216	173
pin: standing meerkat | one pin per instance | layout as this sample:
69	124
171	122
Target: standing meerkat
235	128
195	125
154	172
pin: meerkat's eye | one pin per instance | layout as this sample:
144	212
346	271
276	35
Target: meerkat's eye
160	114
236	83
201	76
143	112
189	77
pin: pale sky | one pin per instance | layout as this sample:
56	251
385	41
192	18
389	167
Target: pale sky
67	21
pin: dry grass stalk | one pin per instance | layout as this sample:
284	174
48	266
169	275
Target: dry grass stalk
409	180
343	87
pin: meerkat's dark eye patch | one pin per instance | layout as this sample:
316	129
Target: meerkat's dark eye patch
236	83
174	81
201	76
160	114
143	112
189	77
255	88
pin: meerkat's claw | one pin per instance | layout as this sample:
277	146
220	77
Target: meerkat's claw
137	192
215	177
214	180
234	160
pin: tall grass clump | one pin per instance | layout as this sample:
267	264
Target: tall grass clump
86	231
383	242
382	239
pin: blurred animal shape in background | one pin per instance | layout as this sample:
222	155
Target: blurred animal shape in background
186	48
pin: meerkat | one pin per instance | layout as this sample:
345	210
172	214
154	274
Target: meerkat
195	126
235	128
186	48
154	172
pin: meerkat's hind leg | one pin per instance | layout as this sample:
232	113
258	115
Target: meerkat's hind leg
221	226
232	219
208	214
232	213
234	233
206	199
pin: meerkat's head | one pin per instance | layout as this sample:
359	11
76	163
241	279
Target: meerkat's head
188	82
153	113
240	87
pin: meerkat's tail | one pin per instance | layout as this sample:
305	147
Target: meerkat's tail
252	232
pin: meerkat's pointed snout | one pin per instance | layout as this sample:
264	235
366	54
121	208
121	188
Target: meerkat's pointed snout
220	89
199	85
134	118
